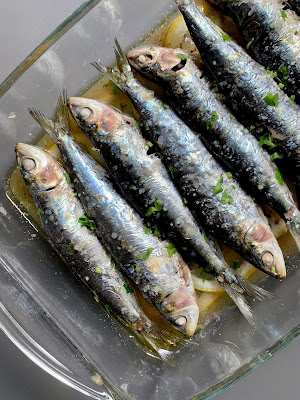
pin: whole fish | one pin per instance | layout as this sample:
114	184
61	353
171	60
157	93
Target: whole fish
272	37
295	4
189	94
144	180
221	205
246	84
59	212
164	280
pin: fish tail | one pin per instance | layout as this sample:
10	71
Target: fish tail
61	125
253	290
235	293
124	72
293	225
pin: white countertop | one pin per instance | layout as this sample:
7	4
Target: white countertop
22	26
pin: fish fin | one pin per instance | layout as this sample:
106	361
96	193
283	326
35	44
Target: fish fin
255	291
45	123
239	300
62	112
294	228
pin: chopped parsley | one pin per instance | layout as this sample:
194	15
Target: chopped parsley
279	176
138	124
171	249
283	14
156	231
272	100
69	247
293	98
116	90
151	48
75	194
276	156
149	224
281	85
248	44
296	32
107	308
149	144
236	264
96	298
117	266
85	221
233	187
203	275
128	288
226	198
226	37
145	256
205	237
272	74
214	117
218	188
147	230
40	211
164	106
184	200
251	128
182	56
267	141
98	270
229	175
67	178
194	213
284	72
273	270
153	209
173	169
231	116
119	288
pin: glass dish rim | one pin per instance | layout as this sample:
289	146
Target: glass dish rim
10	326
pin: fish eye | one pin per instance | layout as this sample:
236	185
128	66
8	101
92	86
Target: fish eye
268	258
84	112
181	321
28	164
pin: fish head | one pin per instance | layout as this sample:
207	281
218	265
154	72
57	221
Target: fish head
181	310
96	117
156	63
265	250
39	169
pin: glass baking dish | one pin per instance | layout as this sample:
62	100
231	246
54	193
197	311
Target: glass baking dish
45	311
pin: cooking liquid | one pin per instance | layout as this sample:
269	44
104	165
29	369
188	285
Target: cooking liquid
210	304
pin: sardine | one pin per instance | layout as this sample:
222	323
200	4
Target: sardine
189	94
246	84
221	205
269	33
144	180
164	280
59	212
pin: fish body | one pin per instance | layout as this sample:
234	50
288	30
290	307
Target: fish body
248	87
59	212
269	31
164	280
189	94
227	212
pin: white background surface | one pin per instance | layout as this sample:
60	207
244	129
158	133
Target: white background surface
23	24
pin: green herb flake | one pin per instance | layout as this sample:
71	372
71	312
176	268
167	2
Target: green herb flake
231	116
214	117
173	169
98	271
115	89
119	288
117	266
69	247
226	198
284	72
75	194
184	200
182	56
96	298
149	144
293	98
276	156
149	224
128	288
138	124
153	209
156	231
296	32
85	221
279	176
272	73
226	37
236	264
267	141
283	14
218	188
164	106
273	270
248	44
107	308
203	275
145	256
171	249
233	187
272	100
40	211
251	128
67	178
147	230
151	48
205	237
281	85
229	175
194	213
106	85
